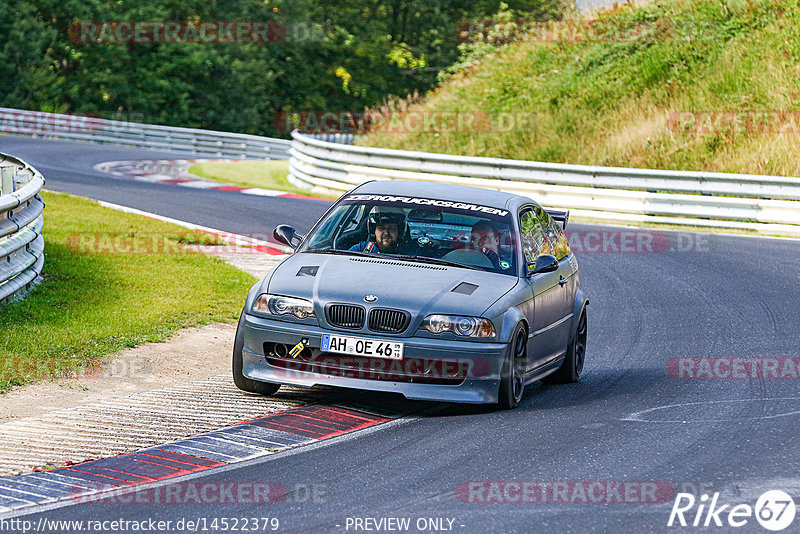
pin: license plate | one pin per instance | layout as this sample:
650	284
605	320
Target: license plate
359	346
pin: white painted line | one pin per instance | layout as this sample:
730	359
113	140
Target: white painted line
25	494
637	416
152	178
200	184
263	192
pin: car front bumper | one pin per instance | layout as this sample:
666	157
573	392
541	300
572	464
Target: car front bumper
481	363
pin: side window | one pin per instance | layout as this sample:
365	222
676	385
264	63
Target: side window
558	241
534	241
561	242
328	228
354	219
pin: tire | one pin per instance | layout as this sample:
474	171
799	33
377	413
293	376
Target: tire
512	376
241	381
572	367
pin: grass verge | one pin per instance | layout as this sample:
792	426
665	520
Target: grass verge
262	174
104	291
677	84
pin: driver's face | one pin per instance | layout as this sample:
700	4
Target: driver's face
484	239
386	235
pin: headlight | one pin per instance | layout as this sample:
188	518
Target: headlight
278	305
459	325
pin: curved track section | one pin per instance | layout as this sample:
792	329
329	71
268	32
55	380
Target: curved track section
635	417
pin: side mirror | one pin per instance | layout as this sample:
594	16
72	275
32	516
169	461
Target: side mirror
544	263
286	234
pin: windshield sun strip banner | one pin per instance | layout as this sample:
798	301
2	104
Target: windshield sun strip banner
427	202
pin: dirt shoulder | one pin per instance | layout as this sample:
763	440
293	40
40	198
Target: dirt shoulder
193	353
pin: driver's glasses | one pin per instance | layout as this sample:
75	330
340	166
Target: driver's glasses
480	239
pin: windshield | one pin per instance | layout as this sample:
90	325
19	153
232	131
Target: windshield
414	229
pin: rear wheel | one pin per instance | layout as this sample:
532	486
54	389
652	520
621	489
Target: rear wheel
512	377
241	381
572	367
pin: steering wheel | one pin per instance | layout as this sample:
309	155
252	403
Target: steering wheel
472	258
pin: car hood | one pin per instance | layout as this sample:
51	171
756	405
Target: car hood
418	288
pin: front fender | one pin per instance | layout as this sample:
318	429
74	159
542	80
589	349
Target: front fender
511	319
252	295
262	286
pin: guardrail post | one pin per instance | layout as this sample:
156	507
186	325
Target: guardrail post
7	180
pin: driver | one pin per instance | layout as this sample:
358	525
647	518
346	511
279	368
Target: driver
484	237
386	227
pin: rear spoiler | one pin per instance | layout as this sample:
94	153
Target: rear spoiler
561	216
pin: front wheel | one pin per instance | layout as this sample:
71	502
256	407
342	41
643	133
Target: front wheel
241	381
572	367
512	377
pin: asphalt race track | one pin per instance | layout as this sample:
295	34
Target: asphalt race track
631	419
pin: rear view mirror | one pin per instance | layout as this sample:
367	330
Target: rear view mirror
425	216
544	263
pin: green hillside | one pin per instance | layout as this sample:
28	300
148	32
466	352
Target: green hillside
676	84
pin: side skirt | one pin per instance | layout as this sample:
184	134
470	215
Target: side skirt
545	369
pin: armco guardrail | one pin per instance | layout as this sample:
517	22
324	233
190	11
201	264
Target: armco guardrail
21	242
188	140
768	204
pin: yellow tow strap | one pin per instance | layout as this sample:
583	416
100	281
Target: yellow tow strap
297	349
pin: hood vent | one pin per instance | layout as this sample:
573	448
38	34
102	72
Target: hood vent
308	270
400	264
465	288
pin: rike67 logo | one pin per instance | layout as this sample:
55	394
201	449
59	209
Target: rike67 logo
774	510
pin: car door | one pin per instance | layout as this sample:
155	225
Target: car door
543	341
